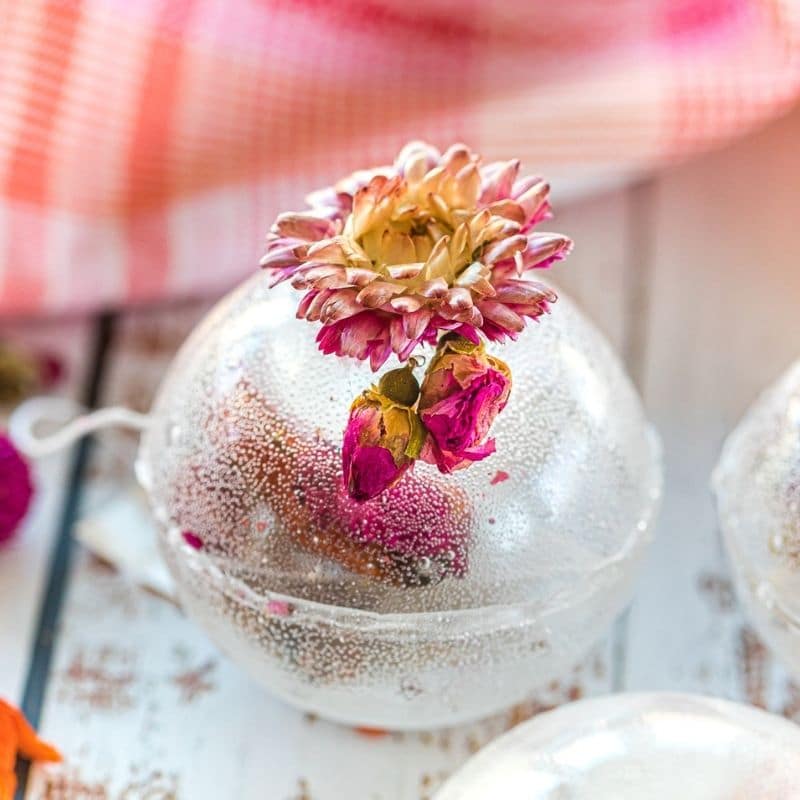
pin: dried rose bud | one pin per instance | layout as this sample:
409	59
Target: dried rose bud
16	489
383	436
463	391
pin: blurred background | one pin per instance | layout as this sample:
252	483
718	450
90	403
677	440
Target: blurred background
145	149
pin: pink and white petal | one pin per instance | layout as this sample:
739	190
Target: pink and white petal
534	202
337	280
542	249
408	349
476	278
397	334
317	302
523	184
434	289
415	155
498	180
510	210
359	331
405	271
504	248
340	305
524	292
280	257
307	227
415	323
330	202
305	303
357	276
458	299
456	157
531	310
496	333
378	293
475	317
312	272
406	304
502	315
380	350
328	251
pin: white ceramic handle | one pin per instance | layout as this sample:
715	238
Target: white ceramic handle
27	417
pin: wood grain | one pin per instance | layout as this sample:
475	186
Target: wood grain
723	324
24	561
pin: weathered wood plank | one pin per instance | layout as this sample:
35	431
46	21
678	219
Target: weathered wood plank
24	561
723	324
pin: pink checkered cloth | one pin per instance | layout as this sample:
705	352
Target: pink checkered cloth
147	144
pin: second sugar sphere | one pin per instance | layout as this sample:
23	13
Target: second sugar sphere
757	485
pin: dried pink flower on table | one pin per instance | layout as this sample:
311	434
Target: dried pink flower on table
193	540
463	392
390	257
16	488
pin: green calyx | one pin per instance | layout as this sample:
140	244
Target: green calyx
400	386
459	344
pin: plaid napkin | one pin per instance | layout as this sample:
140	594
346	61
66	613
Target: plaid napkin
147	145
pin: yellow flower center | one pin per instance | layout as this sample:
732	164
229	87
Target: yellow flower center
421	228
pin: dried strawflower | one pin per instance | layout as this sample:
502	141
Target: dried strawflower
390	257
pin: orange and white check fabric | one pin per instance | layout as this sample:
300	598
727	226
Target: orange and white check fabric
146	145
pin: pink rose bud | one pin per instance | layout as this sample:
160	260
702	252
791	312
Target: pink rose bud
383	435
463	391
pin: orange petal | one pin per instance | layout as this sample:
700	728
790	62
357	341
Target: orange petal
8	785
28	743
8	739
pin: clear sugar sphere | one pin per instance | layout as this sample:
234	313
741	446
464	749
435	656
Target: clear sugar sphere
653	746
443	599
757	484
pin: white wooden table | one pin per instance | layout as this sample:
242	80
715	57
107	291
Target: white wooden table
694	276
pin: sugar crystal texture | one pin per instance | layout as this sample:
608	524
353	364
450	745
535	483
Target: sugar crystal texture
653	746
757	483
